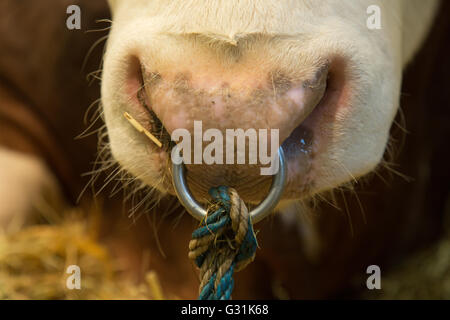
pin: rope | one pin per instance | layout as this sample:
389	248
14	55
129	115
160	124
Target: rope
223	244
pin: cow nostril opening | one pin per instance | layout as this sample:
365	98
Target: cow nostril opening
134	79
137	90
156	126
300	142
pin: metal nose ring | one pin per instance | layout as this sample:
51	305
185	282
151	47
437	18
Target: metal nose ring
257	214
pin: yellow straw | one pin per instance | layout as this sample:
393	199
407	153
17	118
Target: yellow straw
141	129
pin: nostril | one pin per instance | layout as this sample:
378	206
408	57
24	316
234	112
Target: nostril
134	79
320	79
307	96
136	84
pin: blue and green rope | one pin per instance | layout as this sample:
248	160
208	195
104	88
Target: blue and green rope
224	243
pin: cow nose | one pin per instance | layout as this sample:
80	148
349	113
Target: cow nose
200	102
179	100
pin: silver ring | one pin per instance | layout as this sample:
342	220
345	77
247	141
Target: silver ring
257	214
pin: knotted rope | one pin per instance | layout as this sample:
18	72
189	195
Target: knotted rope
224	243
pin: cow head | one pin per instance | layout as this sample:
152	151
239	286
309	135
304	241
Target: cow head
314	70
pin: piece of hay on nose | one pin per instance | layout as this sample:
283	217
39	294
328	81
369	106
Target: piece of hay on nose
34	260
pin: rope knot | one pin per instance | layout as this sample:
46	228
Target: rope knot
225	242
